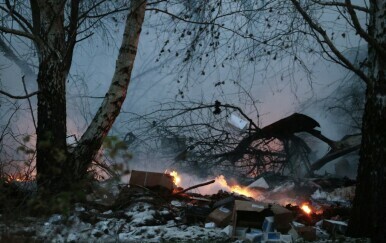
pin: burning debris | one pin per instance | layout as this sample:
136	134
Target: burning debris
152	207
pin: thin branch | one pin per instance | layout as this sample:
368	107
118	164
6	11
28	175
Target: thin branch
212	22
361	31
3	133
17	32
340	4
29	103
18	17
313	25
18	97
193	187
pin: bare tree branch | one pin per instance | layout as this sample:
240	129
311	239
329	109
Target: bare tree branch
315	26
361	31
29	103
23	22
341	4
17	32
17	96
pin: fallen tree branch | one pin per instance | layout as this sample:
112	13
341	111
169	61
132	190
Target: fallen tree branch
333	155
193	187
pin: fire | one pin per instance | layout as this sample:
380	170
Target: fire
236	188
176	177
306	208
13	178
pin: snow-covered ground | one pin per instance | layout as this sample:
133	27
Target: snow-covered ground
140	222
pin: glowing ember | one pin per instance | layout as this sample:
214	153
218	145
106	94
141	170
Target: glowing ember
306	208
236	188
176	177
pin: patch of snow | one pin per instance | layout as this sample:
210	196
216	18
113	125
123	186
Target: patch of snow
108	212
176	203
54	219
141	214
72	237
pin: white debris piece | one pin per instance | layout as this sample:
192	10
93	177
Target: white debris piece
237	122
259	183
210	225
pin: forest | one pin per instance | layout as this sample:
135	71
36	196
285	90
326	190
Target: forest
116	115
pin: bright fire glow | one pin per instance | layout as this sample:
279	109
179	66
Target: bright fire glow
16	177
306	208
236	188
176	177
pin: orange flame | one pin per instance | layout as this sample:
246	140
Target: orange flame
176	177
306	208
236	188
16	177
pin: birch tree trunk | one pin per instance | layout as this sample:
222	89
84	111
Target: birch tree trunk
92	139
369	209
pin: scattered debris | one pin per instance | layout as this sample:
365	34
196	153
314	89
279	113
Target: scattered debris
152	208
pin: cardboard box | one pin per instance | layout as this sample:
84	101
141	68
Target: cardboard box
308	233
249	214
152	179
282	218
252	214
220	216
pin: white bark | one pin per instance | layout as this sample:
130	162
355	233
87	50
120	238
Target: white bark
92	139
